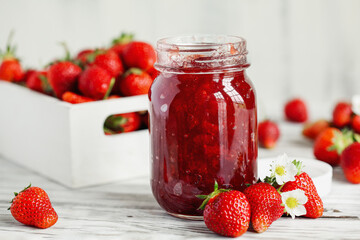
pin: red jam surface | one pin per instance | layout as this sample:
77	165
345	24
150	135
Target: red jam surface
203	127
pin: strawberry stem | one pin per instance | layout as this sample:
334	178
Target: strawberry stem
111	85
211	195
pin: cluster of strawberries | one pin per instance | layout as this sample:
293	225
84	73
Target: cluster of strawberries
126	68
336	142
230	212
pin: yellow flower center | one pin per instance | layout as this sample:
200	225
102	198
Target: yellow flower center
280	170
292	202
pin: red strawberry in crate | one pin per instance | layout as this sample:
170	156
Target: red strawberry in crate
342	114
135	82
329	145
118	44
124	122
296	110
96	83
350	162
312	130
355	124
32	207
74	98
109	61
269	133
38	81
153	72
226	212
10	67
139	55
265	202
63	77
83	56
314	205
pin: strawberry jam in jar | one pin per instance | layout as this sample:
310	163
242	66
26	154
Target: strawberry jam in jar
203	122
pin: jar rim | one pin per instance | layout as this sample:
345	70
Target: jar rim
201	53
186	43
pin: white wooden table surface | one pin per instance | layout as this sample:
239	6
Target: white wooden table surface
127	209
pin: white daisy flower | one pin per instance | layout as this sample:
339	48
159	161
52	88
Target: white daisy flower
355	103
294	202
283	169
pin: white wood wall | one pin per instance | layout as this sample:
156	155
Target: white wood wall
301	48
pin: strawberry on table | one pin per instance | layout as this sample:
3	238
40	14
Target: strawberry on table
296	110
74	98
342	114
124	122
314	205
265	202
139	55
10	67
350	162
32	207
269	133
226	212
312	130
135	82
96	83
329	144
63	77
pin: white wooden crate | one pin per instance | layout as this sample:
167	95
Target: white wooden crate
66	142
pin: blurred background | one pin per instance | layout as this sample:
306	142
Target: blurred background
302	48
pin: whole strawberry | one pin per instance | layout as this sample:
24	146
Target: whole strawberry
329	145
312	130
96	83
350	162
265	202
227	212
135	82
342	114
83	56
124	122
139	55
109	61
296	110
32	207
10	67
314	205
269	133
37	81
63	77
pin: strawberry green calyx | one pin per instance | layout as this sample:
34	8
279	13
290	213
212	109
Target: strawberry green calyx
136	71
298	165
46	85
9	53
15	193
115	123
67	51
357	137
124	38
342	140
91	57
111	85
211	195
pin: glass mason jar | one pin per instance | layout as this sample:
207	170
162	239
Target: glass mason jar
203	122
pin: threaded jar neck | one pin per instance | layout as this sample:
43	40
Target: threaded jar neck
201	53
